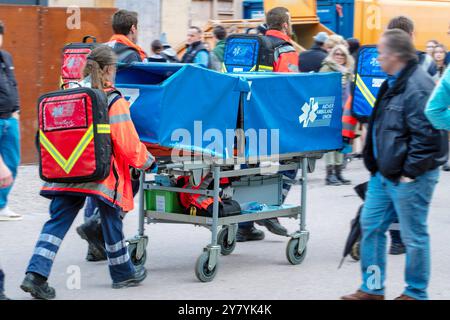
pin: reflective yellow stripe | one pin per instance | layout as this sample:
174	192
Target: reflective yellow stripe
79	149
253	69
52	150
67	165
266	68
365	91
103	128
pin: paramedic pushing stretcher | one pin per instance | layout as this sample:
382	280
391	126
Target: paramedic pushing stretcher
285	60
113	195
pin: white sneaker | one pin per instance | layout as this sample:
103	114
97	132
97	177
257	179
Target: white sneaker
7	215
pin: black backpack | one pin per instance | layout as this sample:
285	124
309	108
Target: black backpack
247	53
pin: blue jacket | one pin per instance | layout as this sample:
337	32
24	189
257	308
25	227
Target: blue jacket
438	107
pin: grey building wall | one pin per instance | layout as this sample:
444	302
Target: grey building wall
149	27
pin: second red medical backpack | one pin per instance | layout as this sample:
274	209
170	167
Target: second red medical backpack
74	60
73	139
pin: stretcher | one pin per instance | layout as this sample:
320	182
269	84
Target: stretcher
304	111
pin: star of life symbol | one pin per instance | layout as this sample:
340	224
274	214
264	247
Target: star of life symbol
236	51
309	112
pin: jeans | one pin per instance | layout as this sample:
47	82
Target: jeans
10	152
385	201
63	211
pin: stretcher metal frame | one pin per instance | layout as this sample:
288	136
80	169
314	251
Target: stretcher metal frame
223	240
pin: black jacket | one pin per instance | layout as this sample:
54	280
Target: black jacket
311	60
192	51
126	54
9	97
407	144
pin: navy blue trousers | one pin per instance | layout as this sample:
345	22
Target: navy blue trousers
63	210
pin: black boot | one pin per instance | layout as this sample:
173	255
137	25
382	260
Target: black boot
446	167
91	231
92	255
397	246
331	179
249	234
137	278
338	169
274	226
37	286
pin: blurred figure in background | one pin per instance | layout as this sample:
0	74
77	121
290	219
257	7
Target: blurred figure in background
439	55
431	45
9	127
157	55
311	60
338	60
353	47
196	49
216	55
333	41
406	24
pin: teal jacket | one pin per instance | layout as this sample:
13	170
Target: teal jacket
438	107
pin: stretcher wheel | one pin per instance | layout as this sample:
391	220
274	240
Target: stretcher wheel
354	253
201	268
132	251
222	239
292	254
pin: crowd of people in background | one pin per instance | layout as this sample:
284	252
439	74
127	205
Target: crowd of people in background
407	68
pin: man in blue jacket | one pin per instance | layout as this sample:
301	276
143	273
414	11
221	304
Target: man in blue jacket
403	153
9	125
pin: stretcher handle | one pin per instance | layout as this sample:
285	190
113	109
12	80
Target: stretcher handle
170	166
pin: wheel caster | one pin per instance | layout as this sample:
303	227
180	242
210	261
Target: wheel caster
137	260
226	248
354	253
202	271
293	255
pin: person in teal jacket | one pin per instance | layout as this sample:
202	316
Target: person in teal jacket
438	107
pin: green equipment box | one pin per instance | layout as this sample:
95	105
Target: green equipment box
162	201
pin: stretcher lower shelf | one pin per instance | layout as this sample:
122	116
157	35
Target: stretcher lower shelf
157	216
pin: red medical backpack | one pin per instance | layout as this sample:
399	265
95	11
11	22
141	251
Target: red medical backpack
74	60
73	139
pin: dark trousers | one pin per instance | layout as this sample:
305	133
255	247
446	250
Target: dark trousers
63	210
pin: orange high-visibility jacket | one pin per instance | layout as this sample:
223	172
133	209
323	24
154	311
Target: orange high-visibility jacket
128	151
349	122
286	59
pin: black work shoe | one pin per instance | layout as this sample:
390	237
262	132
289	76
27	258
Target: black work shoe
139	276
397	248
249	234
446	167
274	226
92	255
338	169
37	287
91	231
331	179
3	297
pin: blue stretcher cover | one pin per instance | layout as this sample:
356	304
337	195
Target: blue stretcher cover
368	80
170	102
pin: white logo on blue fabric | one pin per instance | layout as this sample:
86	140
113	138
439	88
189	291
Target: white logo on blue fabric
318	112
